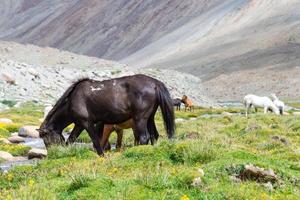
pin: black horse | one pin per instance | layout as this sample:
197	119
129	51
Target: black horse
88	102
177	102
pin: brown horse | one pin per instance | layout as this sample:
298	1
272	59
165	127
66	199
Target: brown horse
188	103
88	102
118	128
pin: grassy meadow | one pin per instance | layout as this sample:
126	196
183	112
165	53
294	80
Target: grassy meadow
209	150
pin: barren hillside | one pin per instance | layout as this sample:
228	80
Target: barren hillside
211	39
28	72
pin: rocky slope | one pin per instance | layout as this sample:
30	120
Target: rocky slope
210	39
28	72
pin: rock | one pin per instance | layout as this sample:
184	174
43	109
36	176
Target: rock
178	120
281	139
258	174
201	172
226	114
6	121
19	158
6	156
235	179
37	153
5	141
8	79
14	134
16	139
269	186
286	113
197	182
296	113
29	131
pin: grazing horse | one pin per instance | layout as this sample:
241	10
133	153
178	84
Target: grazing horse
279	104
177	102
107	130
88	102
259	102
188	103
118	128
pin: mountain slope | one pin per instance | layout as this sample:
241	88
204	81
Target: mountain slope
107	29
212	39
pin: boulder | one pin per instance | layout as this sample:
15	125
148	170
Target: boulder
37	153
29	131
5	141
6	121
6	156
258	174
16	139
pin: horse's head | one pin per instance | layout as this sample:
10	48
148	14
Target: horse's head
51	137
184	98
273	97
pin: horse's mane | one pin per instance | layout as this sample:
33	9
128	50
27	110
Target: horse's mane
63	99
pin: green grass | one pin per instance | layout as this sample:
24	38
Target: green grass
220	146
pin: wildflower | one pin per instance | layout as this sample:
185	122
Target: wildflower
9	177
184	197
31	182
101	159
8	197
114	170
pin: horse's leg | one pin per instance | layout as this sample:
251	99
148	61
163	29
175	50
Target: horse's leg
107	130
265	109
119	138
255	109
152	130
90	128
140	129
74	134
247	109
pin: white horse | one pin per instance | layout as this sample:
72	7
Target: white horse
259	102
279	104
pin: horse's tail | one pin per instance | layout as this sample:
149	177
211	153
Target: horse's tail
167	109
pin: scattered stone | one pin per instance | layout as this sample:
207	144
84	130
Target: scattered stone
193	118
201	172
197	182
269	186
16	139
226	114
6	156
29	131
178	120
5	141
192	135
8	79
37	153
296	113
286	113
252	127
281	139
6	121
235	179
14	134
258	174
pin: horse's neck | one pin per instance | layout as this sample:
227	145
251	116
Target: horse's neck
58	121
